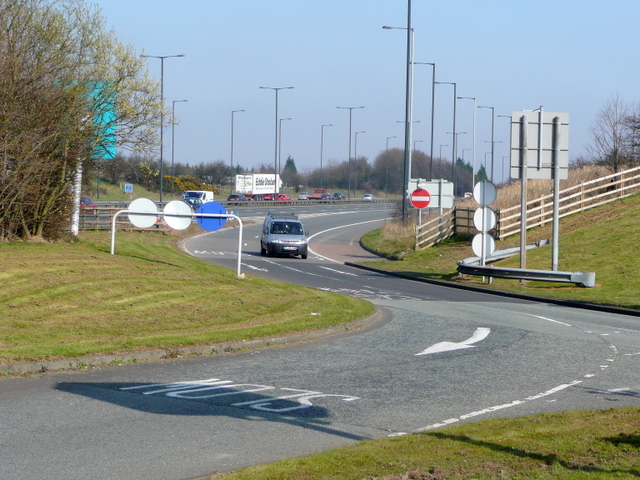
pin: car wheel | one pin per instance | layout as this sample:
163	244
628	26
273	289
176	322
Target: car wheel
269	251
303	256
263	251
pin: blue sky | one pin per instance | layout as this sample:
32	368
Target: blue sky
566	55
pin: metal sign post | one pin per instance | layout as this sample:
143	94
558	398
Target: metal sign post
548	136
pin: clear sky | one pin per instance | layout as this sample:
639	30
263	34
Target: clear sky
566	55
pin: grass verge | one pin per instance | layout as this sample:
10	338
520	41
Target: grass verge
602	444
602	240
75	299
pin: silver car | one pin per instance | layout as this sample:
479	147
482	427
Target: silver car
283	234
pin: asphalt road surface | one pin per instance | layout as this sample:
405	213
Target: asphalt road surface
434	356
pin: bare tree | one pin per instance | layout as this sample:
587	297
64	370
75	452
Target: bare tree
612	135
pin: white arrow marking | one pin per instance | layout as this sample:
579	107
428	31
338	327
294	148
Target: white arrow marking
480	334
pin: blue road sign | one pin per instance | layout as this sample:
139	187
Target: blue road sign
211	224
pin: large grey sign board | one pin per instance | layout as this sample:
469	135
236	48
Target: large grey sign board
441	191
540	143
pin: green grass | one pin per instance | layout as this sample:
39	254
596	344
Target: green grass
603	444
75	299
603	240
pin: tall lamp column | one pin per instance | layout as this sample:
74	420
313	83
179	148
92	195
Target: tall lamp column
275	155
173	140
232	170
161	57
349	168
322	147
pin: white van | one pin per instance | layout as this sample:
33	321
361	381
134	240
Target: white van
195	198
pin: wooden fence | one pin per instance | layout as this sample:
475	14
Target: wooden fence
539	211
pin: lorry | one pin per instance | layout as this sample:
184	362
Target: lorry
195	198
258	186
317	194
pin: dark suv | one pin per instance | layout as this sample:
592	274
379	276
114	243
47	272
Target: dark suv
283	234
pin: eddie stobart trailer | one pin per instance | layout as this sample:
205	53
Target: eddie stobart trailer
258	186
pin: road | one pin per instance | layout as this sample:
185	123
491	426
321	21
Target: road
435	356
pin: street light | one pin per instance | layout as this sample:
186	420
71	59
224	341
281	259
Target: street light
232	171
173	139
386	183
349	169
355	155
414	143
280	145
275	155
473	144
433	103
440	157
453	138
322	147
493	119
161	57
408	113
455	159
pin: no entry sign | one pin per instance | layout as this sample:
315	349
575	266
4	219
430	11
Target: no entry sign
420	198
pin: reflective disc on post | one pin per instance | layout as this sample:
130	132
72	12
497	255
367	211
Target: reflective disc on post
211	224
484	219
175	215
484	193
143	205
489	244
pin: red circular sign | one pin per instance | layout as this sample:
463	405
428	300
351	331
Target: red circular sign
420	198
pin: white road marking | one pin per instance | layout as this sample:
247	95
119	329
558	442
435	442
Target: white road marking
480	334
549	320
339	271
499	407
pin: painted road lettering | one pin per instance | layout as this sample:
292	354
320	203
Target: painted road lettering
216	388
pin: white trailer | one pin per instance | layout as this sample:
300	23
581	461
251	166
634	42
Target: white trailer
257	185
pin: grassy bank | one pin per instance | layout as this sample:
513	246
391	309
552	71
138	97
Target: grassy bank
602	240
75	299
603	444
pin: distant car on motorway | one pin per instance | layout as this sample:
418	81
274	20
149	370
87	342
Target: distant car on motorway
367	197
303	196
237	198
326	196
339	196
87	205
283	197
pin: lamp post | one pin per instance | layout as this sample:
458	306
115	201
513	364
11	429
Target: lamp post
455	159
280	146
386	183
473	141
440	157
232	114
161	57
408	113
453	132
322	147
349	169
173	140
493	119
355	155
275	155
433	103
505	173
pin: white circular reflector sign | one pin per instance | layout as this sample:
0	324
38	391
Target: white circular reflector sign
177	214
484	193
483	241
484	219
143	205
